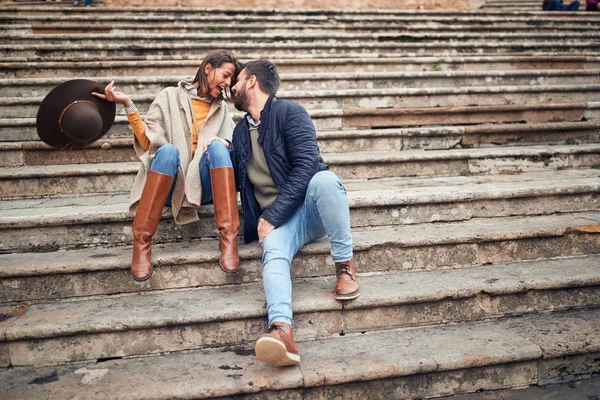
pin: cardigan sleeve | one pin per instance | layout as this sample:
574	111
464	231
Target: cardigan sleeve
139	129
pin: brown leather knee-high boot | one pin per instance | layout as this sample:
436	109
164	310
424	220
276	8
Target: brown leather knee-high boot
226	216
145	223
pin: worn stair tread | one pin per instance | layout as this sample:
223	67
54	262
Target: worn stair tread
358	357
284	14
300	94
491	59
361	193
454	233
121	120
470	231
67	38
181	307
172	79
334	158
449	130
475	153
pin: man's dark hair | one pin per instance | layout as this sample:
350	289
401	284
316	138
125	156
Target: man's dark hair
266	75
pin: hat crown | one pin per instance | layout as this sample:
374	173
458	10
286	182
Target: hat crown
81	121
71	117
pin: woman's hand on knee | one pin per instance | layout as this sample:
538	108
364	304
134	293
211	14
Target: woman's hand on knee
212	139
110	94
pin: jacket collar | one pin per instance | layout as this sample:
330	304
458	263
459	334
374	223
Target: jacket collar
263	121
265	110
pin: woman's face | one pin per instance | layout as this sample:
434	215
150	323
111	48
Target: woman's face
219	78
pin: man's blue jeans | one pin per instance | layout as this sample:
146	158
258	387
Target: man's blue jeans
325	211
166	161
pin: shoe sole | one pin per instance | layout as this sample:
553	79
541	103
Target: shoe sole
229	272
273	351
145	278
351	296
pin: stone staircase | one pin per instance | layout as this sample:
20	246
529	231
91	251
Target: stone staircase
514	5
468	142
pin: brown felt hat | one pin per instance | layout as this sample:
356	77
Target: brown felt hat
70	116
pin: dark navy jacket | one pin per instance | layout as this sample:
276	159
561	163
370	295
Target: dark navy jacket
287	136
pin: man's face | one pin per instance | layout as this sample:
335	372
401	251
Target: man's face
240	97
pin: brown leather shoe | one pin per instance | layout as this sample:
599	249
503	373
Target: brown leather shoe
277	346
149	210
347	285
227	216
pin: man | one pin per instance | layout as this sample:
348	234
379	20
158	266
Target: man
289	198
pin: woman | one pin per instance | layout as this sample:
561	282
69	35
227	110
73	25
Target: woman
184	147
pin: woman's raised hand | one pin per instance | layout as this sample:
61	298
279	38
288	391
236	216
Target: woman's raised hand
115	96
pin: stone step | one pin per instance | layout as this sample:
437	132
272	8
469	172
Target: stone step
50	4
40	225
167	321
93	26
23	129
290	38
19	107
92	59
128	51
203	14
42	277
30	153
34	87
107	178
400	363
188	67
586	387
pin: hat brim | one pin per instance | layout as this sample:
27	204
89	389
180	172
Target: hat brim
60	97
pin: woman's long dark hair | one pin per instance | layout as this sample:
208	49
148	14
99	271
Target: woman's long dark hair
216	58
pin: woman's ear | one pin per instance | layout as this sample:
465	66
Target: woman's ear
207	69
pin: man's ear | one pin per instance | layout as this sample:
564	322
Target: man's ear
252	81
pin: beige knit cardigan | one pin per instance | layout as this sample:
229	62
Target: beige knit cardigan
169	120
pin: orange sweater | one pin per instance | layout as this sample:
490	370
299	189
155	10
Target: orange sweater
201	109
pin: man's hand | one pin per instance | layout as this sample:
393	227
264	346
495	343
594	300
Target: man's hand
209	141
264	228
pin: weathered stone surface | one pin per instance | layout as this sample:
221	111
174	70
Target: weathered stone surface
432	384
451	69
363	356
199	375
133	325
465	346
188	67
569	368
332	141
585	389
455	359
566	336
94	51
97	220
463	115
332	80
569	344
85	272
380	98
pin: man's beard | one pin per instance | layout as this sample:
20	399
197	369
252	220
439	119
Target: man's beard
240	100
